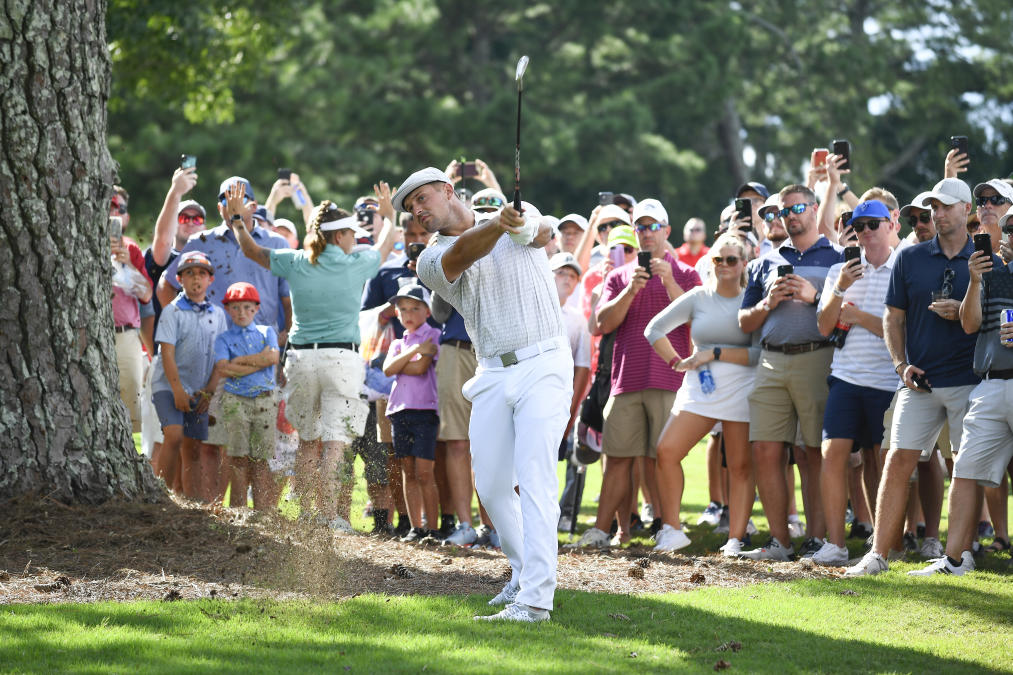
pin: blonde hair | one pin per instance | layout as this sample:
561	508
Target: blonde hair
736	243
317	241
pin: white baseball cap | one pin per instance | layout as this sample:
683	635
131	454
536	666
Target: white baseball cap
564	259
650	207
613	212
287	224
999	185
430	174
771	203
575	218
917	203
949	191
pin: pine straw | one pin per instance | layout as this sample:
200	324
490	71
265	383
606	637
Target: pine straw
51	552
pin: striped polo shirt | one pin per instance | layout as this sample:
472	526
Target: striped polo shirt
793	321
864	360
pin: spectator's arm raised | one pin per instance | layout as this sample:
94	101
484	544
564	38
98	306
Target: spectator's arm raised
183	180
970	306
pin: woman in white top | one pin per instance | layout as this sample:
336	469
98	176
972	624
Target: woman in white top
716	389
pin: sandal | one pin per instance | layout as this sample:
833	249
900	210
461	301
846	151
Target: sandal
998	545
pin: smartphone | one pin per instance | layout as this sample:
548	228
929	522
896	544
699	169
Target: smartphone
843	149
644	260
983	242
922	382
285	174
365	216
784	270
188	161
415	250
959	143
605	198
617	255
820	156
115	227
852	253
468	169
744	209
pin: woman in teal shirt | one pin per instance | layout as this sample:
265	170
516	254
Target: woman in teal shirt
322	370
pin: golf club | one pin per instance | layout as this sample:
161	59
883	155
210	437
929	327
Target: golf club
522	65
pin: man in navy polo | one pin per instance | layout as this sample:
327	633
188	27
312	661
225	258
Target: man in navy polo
932	354
791	379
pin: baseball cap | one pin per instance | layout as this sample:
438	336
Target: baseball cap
241	292
623	234
564	259
263	215
575	218
999	185
413	291
488	200
190	204
652	208
758	188
430	174
194	259
917	203
229	181
623	197
287	224
872	208
613	212
1006	218
949	191
771	203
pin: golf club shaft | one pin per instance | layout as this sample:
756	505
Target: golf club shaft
517	153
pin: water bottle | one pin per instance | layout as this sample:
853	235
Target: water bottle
706	380
840	333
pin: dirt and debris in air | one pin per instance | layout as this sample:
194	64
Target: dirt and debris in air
179	550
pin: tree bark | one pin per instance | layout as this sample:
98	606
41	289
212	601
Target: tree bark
64	431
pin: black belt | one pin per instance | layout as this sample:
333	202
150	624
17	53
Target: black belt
463	344
324	345
999	374
124	329
803	348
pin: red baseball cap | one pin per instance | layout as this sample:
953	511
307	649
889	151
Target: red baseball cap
241	292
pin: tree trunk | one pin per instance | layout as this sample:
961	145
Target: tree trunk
64	431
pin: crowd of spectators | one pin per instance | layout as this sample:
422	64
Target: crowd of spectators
809	335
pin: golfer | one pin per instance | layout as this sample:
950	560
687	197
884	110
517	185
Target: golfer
521	391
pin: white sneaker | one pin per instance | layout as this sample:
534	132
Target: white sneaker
731	548
339	524
593	537
515	611
670	539
943	566
796	528
564	524
506	596
772	551
647	513
463	535
871	563
832	555
711	515
931	548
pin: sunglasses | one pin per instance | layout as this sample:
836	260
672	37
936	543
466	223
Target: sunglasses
797	209
196	219
994	200
605	227
923	218
1007	228
859	225
771	216
118	207
493	202
653	227
729	260
627	249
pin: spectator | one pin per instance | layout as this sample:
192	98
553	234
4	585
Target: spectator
489	200
246	354
791	389
602	220
861	385
176	223
993	198
184	378
930	352
757	194
643	388
721	370
286	228
571	228
918	216
484	175
694	247
413	407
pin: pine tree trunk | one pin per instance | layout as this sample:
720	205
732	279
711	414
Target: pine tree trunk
64	432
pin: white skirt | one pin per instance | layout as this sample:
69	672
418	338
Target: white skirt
730	399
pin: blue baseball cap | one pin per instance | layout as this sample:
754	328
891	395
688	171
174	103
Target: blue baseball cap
758	188
870	209
229	181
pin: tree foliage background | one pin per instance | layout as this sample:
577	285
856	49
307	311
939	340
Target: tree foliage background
682	101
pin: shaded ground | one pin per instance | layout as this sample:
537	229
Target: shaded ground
51	552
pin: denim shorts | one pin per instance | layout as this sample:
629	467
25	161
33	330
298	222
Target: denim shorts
414	433
855	412
194	426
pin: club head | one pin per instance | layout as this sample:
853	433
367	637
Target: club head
522	65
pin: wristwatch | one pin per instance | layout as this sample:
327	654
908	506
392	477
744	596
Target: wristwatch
816	298
717	353
843	191
235	217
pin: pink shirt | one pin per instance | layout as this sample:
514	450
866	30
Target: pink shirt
635	365
414	392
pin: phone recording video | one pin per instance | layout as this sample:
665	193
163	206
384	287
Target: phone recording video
644	260
415	250
959	143
842	148
605	198
188	162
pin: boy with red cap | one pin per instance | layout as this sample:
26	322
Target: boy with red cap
246	355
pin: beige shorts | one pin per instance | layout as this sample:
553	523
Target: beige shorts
633	422
383	422
919	417
323	388
455	366
250	425
986	445
790	396
943	442
130	358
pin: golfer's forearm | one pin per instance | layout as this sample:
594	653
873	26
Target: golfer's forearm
251	250
474	244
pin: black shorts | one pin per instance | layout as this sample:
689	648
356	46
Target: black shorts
414	433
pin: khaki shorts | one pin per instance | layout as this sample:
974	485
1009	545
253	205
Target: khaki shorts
383	422
455	366
250	425
130	359
986	445
633	422
920	416
790	396
323	388
943	442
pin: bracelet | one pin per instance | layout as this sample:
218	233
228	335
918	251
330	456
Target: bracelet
838	292
903	364
843	191
674	360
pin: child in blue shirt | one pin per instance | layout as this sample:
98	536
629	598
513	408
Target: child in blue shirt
184	378
246	355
